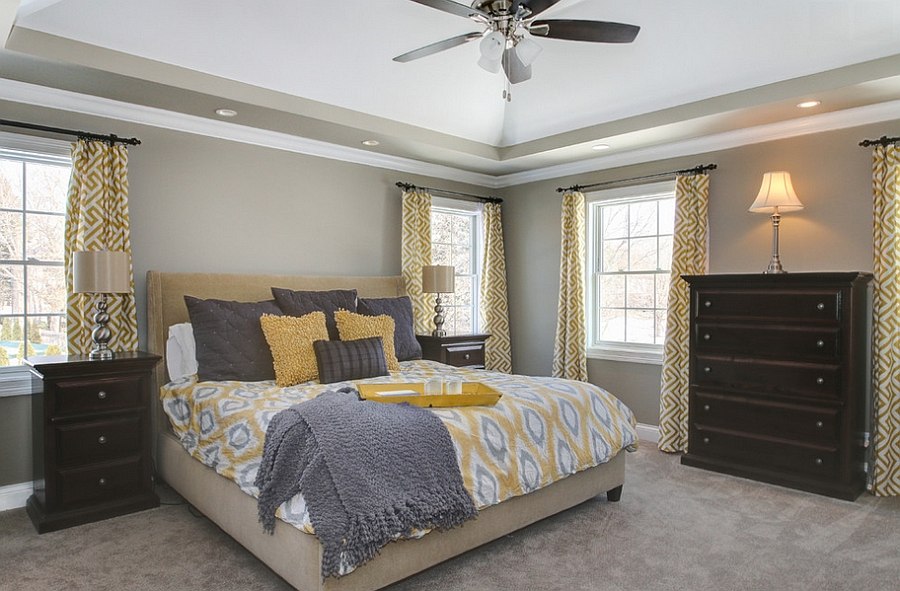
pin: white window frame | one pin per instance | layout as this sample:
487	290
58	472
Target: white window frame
458	206
16	380
611	350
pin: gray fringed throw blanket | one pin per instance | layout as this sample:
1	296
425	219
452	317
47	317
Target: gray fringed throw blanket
367	470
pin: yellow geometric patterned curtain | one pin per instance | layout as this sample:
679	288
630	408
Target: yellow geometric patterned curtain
569	355
416	253
886	322
689	257
494	302
97	219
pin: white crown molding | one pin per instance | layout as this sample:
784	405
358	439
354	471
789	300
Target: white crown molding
14	496
832	121
52	98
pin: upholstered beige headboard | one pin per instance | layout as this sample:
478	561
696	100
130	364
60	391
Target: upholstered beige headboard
166	291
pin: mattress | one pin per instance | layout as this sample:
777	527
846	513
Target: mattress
542	430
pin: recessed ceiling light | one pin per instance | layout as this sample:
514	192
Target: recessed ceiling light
226	112
600	147
809	104
370	142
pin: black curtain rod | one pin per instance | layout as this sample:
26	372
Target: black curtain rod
110	139
882	141
446	193
696	170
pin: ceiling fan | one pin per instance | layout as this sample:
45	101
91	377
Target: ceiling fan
504	39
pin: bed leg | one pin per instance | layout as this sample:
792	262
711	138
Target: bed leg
613	495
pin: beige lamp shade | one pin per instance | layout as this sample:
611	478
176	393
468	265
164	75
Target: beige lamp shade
438	279
101	271
776	192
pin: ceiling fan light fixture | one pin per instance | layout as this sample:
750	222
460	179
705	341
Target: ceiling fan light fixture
492	66
492	46
528	50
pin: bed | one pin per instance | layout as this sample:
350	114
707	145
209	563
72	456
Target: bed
292	552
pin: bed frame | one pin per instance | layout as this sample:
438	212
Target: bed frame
295	555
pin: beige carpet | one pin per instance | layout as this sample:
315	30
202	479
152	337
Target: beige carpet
675	528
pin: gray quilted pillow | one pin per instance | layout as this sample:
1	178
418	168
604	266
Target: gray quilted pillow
230	340
400	309
300	303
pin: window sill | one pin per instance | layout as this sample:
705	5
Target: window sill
626	355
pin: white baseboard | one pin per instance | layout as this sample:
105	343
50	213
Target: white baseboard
648	433
14	496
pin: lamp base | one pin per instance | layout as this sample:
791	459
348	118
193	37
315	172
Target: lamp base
774	267
101	333
438	318
101	354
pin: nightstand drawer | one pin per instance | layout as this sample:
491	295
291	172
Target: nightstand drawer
804	305
771	453
788	421
769	377
82	396
96	441
798	343
467	354
99	483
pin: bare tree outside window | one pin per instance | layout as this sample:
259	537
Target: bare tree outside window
32	281
454	241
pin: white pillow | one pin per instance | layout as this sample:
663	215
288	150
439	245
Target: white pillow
181	351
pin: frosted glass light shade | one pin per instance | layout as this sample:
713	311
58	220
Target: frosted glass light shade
776	192
528	50
438	279
492	66
492	45
101	271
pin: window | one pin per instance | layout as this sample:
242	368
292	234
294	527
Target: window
33	187
630	255
456	240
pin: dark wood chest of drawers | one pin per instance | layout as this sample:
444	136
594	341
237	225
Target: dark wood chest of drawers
91	429
457	350
779	372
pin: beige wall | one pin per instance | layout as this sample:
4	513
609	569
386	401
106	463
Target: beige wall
830	172
202	204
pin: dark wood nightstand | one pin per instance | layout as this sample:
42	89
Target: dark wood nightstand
91	430
459	350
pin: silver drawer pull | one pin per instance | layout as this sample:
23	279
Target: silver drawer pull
819	462
819	424
707	303
706	440
820	381
101	395
706	337
466	356
101	440
707	369
820	306
705	407
820	343
102	482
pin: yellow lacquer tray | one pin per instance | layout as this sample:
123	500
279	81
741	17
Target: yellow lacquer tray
473	394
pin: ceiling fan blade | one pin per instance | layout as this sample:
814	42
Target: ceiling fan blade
516	71
436	47
595	31
535	6
454	8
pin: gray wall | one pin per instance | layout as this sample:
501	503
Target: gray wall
830	172
202	204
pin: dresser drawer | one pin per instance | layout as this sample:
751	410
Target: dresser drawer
788	421
83	396
757	376
465	354
99	483
806	305
818	344
771	453
95	441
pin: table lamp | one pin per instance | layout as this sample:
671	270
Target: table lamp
103	272
438	279
776	196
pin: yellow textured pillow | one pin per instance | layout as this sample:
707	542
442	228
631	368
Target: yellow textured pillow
291	340
353	326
